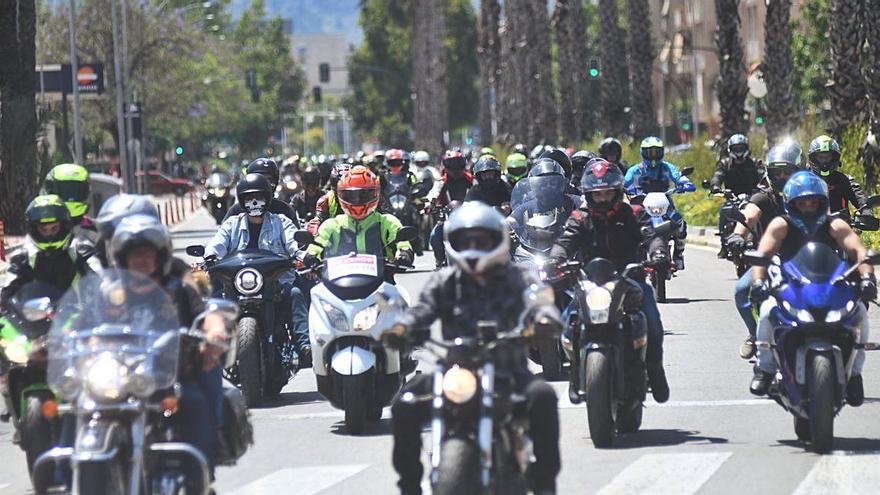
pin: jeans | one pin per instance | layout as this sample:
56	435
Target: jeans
298	317
436	241
765	338
201	412
408	418
741	298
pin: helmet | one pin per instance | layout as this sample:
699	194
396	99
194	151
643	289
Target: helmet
600	175
454	160
824	155
379	155
138	231
520	148
48	209
651	150
397	160
517	166
421	158
486	150
610	149
70	182
738	147
120	206
805	184
487	169
358	192
559	156
265	167
472	223
311	177
546	166
580	160
783	161
254	194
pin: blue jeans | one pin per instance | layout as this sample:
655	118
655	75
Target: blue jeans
298	318
436	241
743	305
201	411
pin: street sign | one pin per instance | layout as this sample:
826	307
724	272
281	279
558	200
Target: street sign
56	78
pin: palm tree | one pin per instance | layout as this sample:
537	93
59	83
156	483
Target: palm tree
870	150
430	109
538	89
732	86
488	53
615	99
571	57
778	69
641	60
846	88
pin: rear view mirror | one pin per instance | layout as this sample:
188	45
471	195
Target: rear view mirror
866	223
687	171
706	184
757	258
196	250
37	309
303	237
873	201
872	258
406	233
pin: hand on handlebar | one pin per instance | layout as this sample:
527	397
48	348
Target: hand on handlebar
395	336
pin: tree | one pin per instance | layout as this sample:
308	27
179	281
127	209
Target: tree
615	98
569	24
641	60
777	69
846	89
430	110
811	55
18	117
538	91
488	54
462	67
732	88
510	107
870	150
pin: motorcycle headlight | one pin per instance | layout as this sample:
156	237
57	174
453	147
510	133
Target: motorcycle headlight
16	351
398	201
248	281
599	303
69	385
459	384
106	378
290	186
804	316
366	318
141	384
833	316
336	317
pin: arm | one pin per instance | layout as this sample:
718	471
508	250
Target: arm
20	274
752	213
573	237
219	244
288	228
391	225
770	244
850	242
426	309
718	178
854	193
323	239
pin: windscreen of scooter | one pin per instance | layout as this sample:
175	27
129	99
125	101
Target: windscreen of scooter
539	208
353	276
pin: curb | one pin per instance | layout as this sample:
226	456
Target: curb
704	236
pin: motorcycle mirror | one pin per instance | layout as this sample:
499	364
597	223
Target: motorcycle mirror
867	223
873	201
303	237
196	250
37	309
687	171
873	257
406	233
705	184
757	258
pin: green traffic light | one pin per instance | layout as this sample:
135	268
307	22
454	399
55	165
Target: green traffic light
179	150
759	120
594	72
685	127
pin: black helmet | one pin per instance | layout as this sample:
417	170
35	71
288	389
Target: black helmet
610	146
546	166
48	209
738	147
265	167
579	160
487	163
137	231
520	148
254	194
559	156
311	176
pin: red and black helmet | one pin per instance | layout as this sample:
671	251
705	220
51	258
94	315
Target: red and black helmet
600	175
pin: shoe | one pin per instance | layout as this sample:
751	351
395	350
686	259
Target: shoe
658	383
855	391
573	394
679	261
305	357
748	348
760	383
722	254
408	365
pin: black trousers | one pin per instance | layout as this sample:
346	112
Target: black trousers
408	419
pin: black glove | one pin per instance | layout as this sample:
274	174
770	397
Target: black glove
715	190
736	243
404	258
868	287
310	260
759	291
395	337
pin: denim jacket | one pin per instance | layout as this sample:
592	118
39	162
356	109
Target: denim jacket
276	236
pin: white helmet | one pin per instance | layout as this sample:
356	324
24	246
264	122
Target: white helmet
421	157
464	226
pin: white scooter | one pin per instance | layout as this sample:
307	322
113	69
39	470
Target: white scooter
350	308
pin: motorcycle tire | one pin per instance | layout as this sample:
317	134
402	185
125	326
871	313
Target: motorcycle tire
36	431
250	361
100	478
659	280
459	469
355	402
630	422
802	429
599	399
551	360
821	385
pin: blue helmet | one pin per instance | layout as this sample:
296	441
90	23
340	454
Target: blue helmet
651	150
805	184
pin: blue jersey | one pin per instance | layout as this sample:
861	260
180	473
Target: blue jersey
641	179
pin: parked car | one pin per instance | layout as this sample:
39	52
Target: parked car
163	184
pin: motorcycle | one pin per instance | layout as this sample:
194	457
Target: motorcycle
732	203
30	403
351	306
114	351
479	443
426	178
814	346
609	352
400	194
266	357
217	196
288	187
538	216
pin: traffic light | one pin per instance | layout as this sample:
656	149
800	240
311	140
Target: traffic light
759	120
316	94
594	69
759	113
178	151
324	72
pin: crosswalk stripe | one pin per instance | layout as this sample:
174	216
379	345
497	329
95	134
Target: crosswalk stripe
842	472
303	481
662	474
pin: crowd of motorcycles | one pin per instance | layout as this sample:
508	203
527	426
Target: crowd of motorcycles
110	374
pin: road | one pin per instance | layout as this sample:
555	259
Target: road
712	437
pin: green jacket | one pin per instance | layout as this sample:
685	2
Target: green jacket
342	234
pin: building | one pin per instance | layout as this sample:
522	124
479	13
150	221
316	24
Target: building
311	50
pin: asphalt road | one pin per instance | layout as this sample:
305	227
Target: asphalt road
712	437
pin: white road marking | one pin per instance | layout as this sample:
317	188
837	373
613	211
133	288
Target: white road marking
842	472
661	474
303	481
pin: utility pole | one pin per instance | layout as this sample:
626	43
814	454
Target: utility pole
126	174
74	69
695	108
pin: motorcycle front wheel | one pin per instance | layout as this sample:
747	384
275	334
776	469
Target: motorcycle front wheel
355	402
821	384
250	361
459	469
658	280
100	478
36	434
597	384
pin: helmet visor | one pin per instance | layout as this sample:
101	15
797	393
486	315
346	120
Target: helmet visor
739	149
779	173
654	153
474	240
71	190
358	196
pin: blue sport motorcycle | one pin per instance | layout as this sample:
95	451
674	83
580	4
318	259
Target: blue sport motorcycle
817	308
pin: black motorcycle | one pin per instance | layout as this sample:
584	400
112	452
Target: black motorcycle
732	203
400	193
218	195
608	350
288	187
266	357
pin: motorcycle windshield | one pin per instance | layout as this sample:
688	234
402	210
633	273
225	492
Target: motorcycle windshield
397	184
116	334
539	208
35	320
817	263
811	273
218	180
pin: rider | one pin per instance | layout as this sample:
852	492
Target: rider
258	228
268	169
304	202
490	189
654	175
112	212
327	205
738	172
608	228
361	229
482	284
579	162
783	161
70	182
611	150
453	186
517	166
806	219
843	190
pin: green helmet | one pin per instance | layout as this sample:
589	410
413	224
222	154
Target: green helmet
517	166
70	182
44	210
486	150
824	155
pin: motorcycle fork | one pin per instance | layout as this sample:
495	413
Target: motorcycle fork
138	435
437	426
486	427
